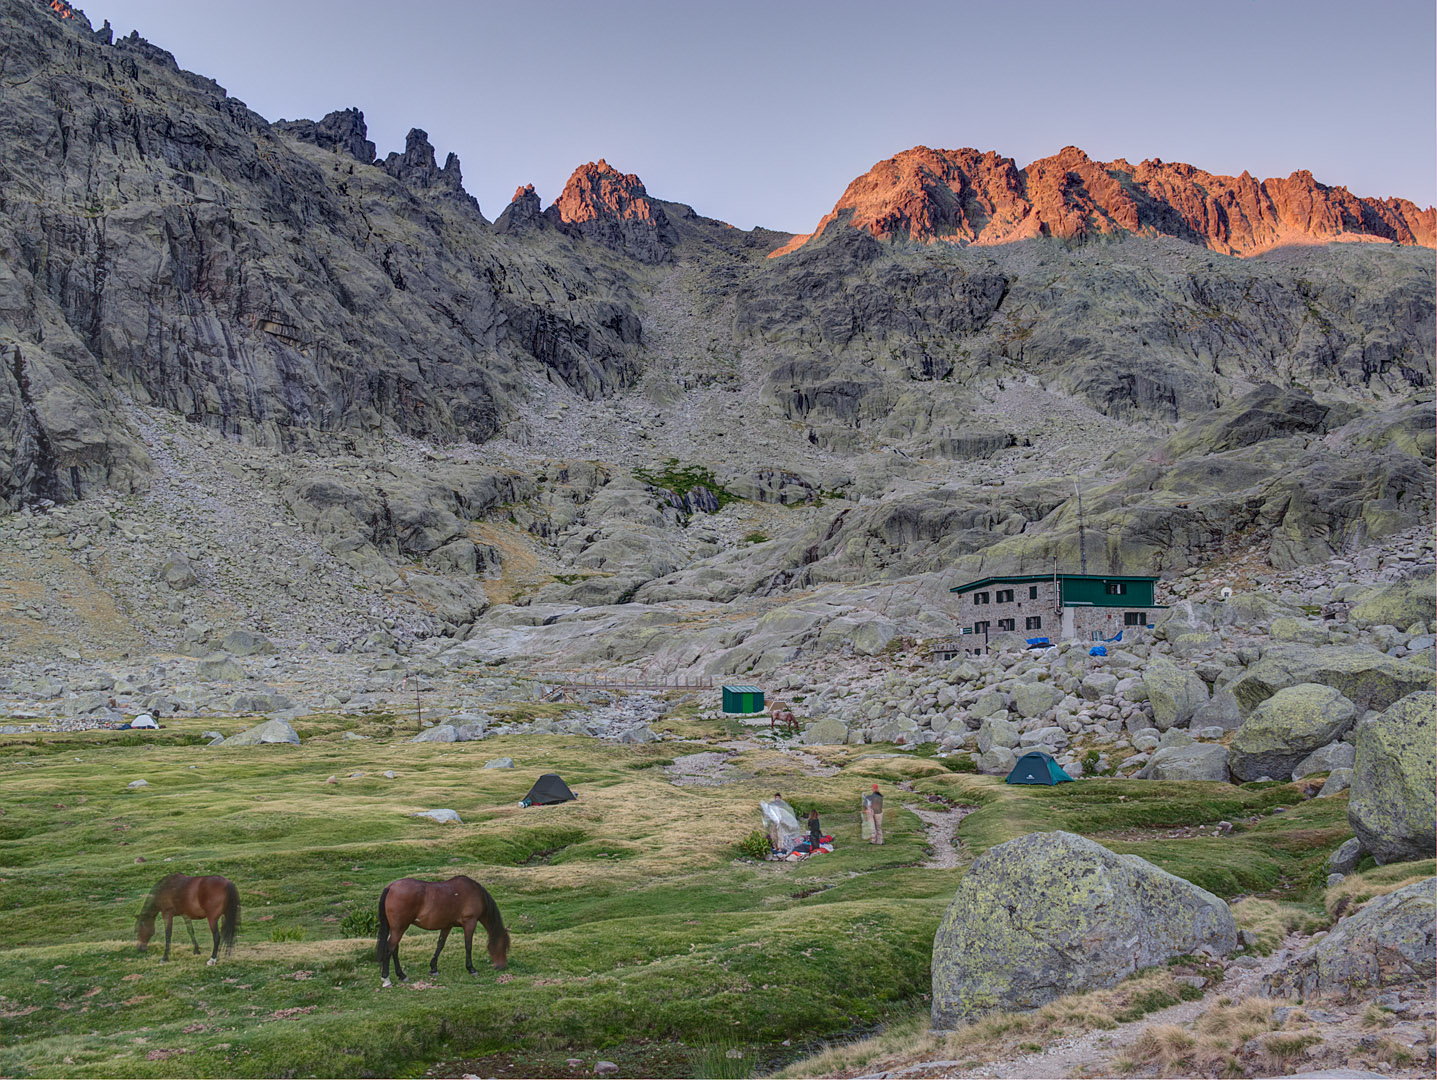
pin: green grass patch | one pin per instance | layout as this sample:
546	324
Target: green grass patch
681	479
639	930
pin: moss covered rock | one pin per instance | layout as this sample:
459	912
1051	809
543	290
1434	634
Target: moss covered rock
1366	676
1175	693
1389	942
829	730
1053	913
1401	603
1286	728
1393	801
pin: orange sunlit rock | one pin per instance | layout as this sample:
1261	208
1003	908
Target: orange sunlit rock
968	197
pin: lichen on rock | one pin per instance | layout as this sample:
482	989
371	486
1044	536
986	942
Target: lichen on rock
1053	913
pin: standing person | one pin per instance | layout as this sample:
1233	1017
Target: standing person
873	810
815	831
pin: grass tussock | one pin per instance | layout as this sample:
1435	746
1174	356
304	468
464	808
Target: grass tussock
1007	1034
1272	921
1354	890
1212	1046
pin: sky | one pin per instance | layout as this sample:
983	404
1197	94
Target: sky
760	112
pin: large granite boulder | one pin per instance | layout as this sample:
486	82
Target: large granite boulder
438	733
1287	727
996	732
1329	758
1199	761
1392	806
1174	692
829	730
1052	913
996	761
219	667
1368	677
1033	699
1401	603
247	643
1221	710
1389	942
271	731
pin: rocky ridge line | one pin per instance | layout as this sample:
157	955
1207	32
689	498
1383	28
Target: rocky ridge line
971	197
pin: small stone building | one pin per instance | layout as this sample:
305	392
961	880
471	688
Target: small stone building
1057	606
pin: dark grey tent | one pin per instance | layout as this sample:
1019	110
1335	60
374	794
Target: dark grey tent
1036	767
548	789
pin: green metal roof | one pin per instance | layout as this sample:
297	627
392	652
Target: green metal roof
744	689
1024	579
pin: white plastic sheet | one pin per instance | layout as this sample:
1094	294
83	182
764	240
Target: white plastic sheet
784	831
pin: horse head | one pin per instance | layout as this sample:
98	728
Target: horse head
144	930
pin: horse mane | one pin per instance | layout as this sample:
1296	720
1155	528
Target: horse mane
491	919
152	902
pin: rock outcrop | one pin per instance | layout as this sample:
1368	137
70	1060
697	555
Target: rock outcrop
1287	727
1364	675
1391	941
969	197
1393	802
1050	914
344	132
601	204
271	731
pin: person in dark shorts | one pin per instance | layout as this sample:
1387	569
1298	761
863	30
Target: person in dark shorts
815	831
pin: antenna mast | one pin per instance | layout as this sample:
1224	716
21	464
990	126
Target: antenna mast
1082	540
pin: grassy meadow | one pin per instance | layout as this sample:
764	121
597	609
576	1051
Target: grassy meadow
640	934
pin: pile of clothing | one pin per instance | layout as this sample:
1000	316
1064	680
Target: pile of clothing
805	848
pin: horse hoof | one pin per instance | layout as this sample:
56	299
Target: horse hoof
210	962
385	983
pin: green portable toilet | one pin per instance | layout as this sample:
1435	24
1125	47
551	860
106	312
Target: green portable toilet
1036	767
742	699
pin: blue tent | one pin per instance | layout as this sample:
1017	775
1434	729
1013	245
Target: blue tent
1036	767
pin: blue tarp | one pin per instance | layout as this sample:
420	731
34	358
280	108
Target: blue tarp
1098	650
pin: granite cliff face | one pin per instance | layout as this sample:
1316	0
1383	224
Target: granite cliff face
968	197
496	423
163	244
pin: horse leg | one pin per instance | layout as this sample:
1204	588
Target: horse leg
469	946
169	926
190	926
215	932
434	960
394	952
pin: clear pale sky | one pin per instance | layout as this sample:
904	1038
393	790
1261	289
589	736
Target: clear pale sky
759	112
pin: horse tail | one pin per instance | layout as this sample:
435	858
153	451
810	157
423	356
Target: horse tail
382	945
231	916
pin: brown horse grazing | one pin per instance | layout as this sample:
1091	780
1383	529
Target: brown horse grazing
193	898
779	713
438	905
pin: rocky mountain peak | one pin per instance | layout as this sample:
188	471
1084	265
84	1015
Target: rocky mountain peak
344	131
967	197
523	211
418	168
612	208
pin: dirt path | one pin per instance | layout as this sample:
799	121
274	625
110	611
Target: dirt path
1090	1053
942	833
